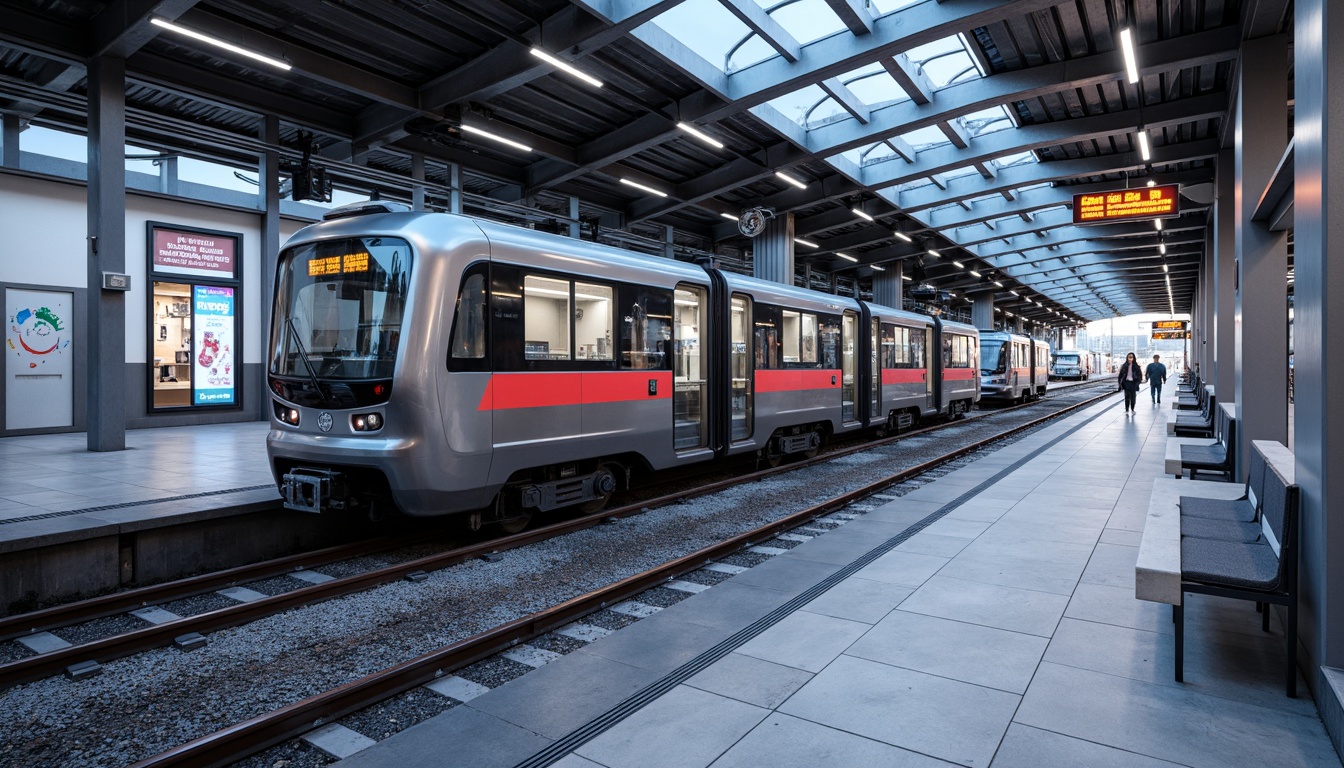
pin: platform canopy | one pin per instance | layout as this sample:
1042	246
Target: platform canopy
949	135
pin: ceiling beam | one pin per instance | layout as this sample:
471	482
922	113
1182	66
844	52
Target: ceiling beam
123	26
765	26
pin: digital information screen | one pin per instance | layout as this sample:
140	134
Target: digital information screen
1158	335
1127	204
1169	325
319	266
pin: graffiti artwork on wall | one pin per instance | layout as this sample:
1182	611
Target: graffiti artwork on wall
36	334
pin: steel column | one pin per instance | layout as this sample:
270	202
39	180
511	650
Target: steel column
575	228
106	331
455	188
773	251
270	246
1223	375
9	139
887	288
1262	255
1319	331
418	181
982	310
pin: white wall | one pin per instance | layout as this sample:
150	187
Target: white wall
45	226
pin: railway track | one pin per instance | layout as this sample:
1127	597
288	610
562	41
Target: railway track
260	732
188	631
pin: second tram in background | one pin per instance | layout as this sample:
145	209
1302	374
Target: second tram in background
440	364
1013	367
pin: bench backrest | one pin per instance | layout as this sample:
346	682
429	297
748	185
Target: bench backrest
1278	520
1226	429
1255	481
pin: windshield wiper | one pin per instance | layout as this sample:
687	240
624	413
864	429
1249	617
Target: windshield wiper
303	355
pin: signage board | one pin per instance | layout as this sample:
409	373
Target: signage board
1169	325
1157	335
1127	204
194	253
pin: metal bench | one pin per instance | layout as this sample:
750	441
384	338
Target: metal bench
1262	569
1195	424
1205	455
1193	400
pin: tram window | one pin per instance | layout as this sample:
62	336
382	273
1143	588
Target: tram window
810	341
789	336
890	346
766	337
546	318
592	322
645	327
829	340
469	322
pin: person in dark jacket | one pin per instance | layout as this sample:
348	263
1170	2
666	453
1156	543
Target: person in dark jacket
1131	376
1157	376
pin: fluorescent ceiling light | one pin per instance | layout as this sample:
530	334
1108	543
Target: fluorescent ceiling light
959	265
1162	248
650	190
974	273
1131	61
877	268
1143	145
204	38
567	67
1164	268
953	295
1015	293
728	216
907	277
790	179
862	214
846	257
903	236
808	243
494	137
701	135
1158	223
1152	183
996	282
934	254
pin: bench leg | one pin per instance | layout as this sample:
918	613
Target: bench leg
1264	618
1290	637
1178	614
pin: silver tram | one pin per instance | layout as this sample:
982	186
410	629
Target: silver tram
1013	367
440	364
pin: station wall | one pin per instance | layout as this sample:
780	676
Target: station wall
44	225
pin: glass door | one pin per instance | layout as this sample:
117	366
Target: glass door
876	368
740	326
926	358
849	362
688	368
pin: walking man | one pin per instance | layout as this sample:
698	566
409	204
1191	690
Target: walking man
1157	373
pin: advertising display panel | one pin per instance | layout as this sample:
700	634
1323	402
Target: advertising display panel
212	382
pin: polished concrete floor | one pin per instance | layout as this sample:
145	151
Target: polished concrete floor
1004	634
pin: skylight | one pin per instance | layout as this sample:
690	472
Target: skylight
706	27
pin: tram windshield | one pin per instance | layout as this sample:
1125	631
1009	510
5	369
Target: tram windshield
992	356
339	306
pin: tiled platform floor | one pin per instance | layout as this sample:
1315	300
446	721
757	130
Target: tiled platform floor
1005	634
56	473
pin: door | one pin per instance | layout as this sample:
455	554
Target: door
688	368
40	359
926	356
741	367
849	366
876	368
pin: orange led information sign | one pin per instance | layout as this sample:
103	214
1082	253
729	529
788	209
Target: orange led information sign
1127	204
335	265
1169	325
1170	335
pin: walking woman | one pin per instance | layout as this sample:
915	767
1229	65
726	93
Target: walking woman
1131	376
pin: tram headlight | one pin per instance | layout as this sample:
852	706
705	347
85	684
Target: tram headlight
366	422
287	415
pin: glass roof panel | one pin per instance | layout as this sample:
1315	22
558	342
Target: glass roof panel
806	20
877	88
795	105
925	138
704	26
753	50
957	173
1021	158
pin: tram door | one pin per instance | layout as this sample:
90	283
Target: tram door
741	367
849	362
876	367
688	368
927	356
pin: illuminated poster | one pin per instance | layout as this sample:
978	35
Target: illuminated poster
212	382
39	359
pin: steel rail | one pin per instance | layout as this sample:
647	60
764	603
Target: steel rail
158	635
243	739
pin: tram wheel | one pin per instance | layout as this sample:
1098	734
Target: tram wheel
605	483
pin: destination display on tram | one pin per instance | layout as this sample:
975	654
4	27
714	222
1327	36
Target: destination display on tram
1127	204
335	265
